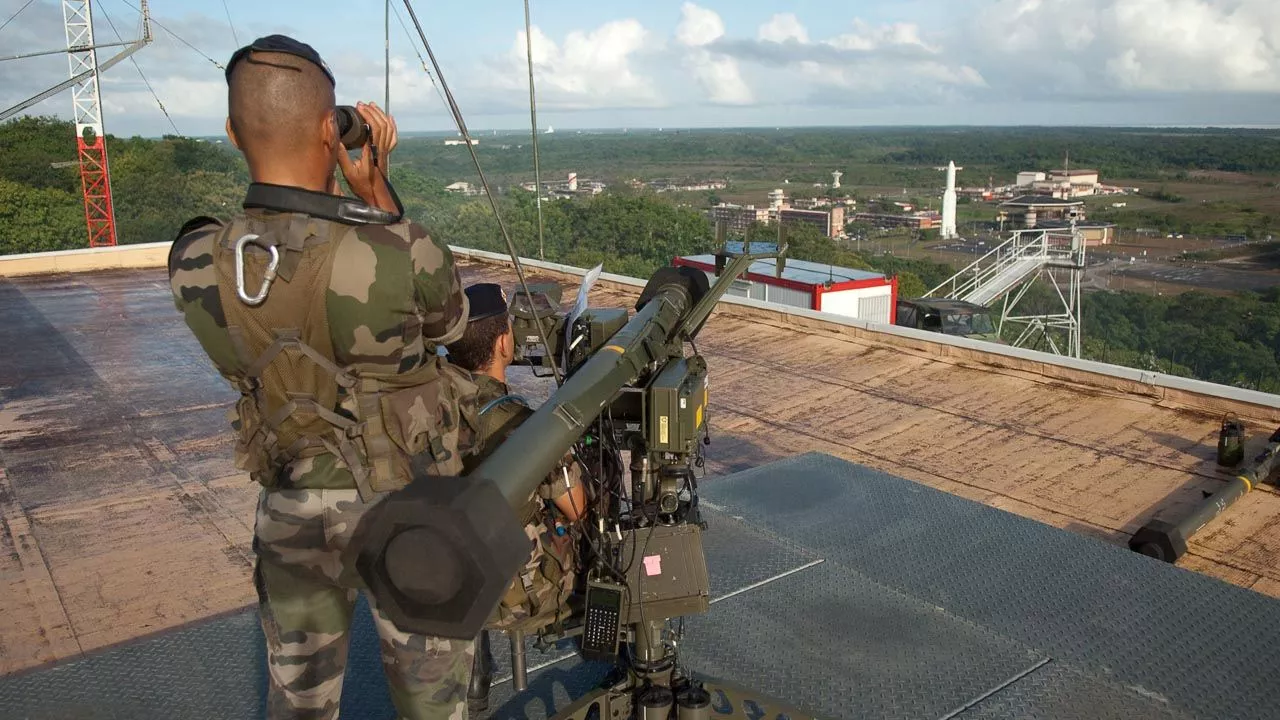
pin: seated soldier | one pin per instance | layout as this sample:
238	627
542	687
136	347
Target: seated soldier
538	596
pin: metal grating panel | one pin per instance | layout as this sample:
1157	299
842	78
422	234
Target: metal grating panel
1204	644
852	648
1060	692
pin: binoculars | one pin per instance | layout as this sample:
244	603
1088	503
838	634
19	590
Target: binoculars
352	128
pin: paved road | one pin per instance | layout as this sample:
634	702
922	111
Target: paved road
1207	276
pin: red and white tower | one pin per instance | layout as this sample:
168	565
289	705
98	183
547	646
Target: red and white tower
95	178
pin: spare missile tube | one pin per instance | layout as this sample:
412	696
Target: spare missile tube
1167	541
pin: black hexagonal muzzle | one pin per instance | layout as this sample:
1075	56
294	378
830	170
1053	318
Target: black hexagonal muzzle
438	555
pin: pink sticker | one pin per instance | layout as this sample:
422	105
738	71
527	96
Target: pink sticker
653	565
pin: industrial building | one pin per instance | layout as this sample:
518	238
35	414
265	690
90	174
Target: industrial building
830	222
571	187
737	218
913	221
859	294
1075	183
1064	184
673	185
462	187
1093	233
1027	179
1026	211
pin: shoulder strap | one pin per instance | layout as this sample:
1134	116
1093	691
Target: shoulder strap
508	398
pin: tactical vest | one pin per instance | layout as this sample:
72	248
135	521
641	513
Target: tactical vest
295	401
538	595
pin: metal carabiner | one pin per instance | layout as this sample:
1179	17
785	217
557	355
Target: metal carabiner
270	275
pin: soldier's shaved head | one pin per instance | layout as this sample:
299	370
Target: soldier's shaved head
280	112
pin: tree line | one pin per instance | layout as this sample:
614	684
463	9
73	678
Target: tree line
159	184
877	156
156	185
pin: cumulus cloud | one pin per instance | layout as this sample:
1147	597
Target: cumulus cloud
1145	46
783	27
717	73
875	63
191	88
587	70
1182	60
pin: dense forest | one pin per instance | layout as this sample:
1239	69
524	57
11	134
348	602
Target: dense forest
158	184
885	156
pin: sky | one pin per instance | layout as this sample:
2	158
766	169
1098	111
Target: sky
710	63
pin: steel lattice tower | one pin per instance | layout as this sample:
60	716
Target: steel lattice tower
95	177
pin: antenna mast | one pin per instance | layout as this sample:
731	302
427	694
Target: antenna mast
95	178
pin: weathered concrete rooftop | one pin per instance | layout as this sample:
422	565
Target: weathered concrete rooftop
124	516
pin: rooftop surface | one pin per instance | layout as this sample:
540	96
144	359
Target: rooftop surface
124	516
802	271
1040	201
833	587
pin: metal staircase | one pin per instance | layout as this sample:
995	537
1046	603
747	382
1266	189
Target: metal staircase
1008	271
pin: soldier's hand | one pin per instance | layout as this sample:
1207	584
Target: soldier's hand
365	175
382	130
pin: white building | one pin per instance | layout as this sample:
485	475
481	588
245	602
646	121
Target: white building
777	199
1026	179
842	291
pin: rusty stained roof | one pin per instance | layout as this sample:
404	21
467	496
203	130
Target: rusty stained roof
124	516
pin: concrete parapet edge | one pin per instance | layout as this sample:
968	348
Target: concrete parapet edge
1198	395
144	255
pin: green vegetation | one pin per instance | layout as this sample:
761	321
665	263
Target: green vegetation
1164	195
1231	340
869	156
159	184
156	185
1265	254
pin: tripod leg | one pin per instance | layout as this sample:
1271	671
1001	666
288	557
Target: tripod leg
727	700
606	702
481	676
519	675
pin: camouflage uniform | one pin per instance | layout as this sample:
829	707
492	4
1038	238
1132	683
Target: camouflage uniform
392	296
538	594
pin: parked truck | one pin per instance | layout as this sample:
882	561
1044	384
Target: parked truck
949	317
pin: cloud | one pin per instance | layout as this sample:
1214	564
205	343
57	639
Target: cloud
588	70
1093	61
1131	46
862	66
717	73
191	88
783	27
698	26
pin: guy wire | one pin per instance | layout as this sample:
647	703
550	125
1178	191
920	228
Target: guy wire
488	191
533	119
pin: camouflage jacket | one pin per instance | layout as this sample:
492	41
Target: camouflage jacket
393	296
538	595
498	421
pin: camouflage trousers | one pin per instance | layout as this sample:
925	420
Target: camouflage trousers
305	605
